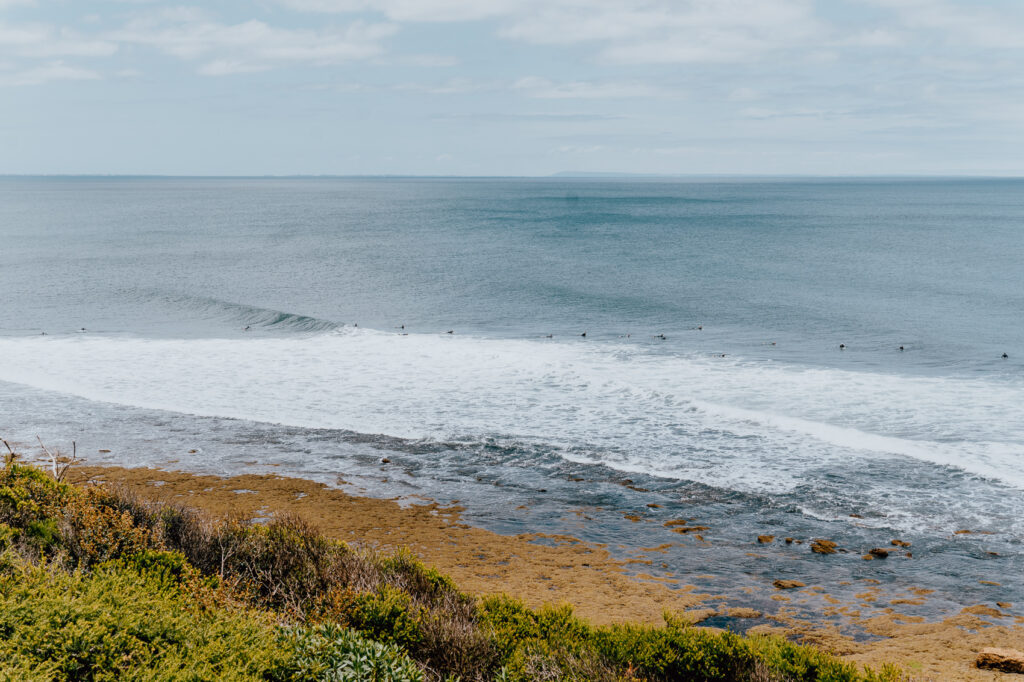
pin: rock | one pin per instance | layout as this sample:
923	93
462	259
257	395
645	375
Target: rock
1004	604
104	450
899	543
879	552
690	529
856	516
653	505
1003	660
823	547
743	612
789	541
788	584
385	460
868	557
765	539
694	616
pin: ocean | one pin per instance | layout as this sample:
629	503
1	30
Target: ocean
798	357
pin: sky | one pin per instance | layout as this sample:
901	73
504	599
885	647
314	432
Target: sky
512	87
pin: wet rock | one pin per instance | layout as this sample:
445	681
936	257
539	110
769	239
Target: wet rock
690	529
823	547
1003	660
694	616
1004	604
856	516
385	460
868	557
765	539
105	450
788	584
653	505
879	553
743	612
899	543
789	541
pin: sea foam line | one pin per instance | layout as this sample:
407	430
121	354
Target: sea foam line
750	426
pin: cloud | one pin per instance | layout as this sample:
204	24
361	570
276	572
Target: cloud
961	23
54	71
46	41
251	45
629	31
528	117
541	88
452	86
414	10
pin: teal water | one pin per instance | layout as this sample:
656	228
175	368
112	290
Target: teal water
303	322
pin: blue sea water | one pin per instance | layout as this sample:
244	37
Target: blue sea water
304	323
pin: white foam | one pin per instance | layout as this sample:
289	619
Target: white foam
749	426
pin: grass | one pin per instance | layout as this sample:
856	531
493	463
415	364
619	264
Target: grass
98	584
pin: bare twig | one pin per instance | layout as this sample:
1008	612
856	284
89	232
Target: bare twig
11	456
60	467
53	458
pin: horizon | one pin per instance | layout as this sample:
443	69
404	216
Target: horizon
559	175
513	88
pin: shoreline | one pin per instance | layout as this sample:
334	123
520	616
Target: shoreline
542	569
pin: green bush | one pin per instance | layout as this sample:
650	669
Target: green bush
331	653
128	589
119	625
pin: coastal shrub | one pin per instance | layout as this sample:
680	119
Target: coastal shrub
93	531
286	563
545	644
386	615
677	653
28	494
131	589
113	625
331	653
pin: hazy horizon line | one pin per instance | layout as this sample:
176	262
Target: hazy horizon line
561	175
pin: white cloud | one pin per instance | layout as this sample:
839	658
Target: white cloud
542	88
452	86
46	41
964	23
251	45
633	31
54	71
227	67
414	10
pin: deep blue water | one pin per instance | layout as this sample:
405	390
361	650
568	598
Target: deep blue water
221	314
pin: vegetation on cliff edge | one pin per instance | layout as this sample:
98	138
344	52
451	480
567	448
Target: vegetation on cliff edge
98	584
